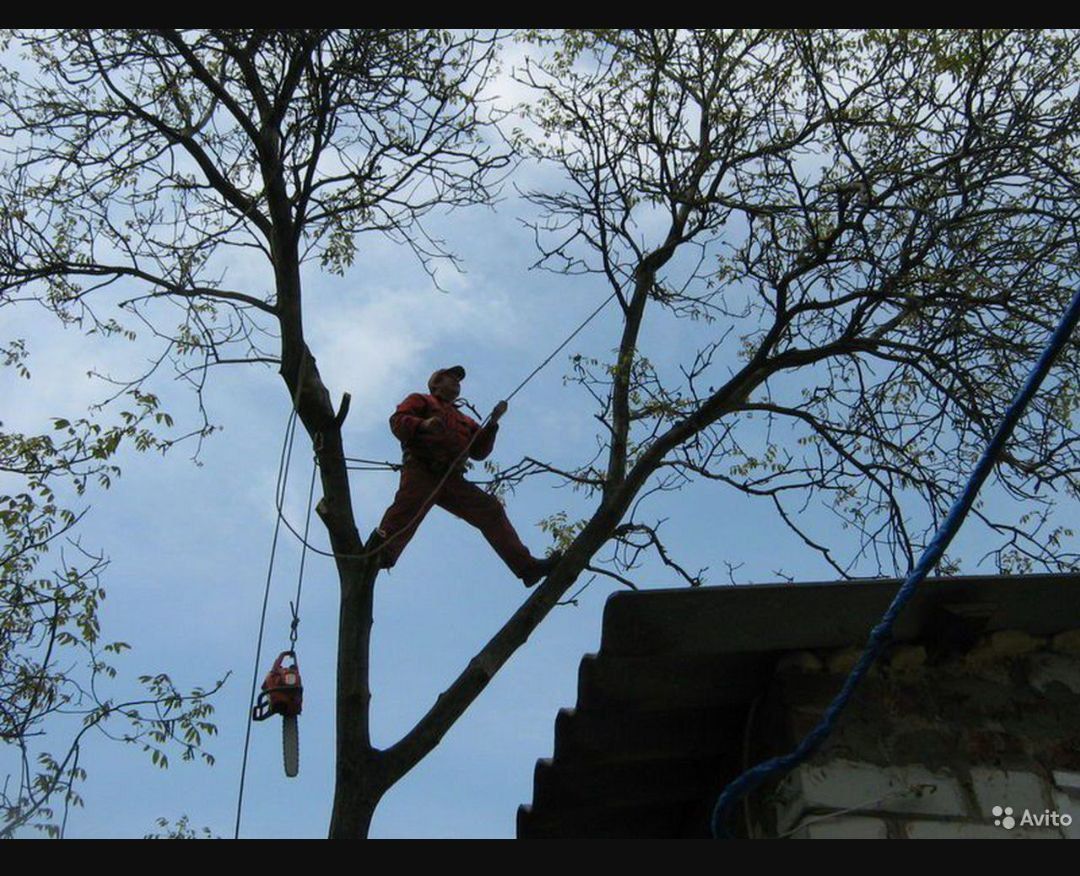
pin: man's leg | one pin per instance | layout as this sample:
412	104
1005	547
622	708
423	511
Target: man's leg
411	504
486	513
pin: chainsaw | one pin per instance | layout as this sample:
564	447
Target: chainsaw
283	694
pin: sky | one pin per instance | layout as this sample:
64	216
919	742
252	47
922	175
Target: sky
189	542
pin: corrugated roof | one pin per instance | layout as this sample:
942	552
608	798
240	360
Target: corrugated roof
657	729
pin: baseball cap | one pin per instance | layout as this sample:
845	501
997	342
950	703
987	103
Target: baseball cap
456	370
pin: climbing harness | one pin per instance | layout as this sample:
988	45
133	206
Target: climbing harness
465	403
753	778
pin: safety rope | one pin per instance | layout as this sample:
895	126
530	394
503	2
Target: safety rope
295	605
279	489
555	353
753	778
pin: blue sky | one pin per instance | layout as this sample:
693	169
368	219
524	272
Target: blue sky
189	544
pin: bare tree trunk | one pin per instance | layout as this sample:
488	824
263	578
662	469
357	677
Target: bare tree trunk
360	776
352	815
360	773
360	782
355	799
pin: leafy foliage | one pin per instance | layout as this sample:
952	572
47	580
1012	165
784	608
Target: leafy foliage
54	666
870	235
182	829
150	161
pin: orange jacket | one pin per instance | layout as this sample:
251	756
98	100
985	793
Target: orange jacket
444	446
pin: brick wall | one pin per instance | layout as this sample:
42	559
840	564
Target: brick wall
931	743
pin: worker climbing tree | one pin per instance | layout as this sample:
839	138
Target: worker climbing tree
435	439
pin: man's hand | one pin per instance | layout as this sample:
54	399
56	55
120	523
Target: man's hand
500	409
432	424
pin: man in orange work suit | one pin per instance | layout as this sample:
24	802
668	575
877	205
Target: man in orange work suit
433	435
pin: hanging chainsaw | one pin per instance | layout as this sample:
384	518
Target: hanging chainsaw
283	694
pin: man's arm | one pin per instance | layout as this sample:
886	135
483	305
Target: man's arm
485	441
409	417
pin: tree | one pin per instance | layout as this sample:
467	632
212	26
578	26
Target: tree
886	219
878	232
46	620
147	158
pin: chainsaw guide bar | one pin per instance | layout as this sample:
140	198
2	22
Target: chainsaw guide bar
290	744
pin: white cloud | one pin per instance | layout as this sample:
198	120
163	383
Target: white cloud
383	346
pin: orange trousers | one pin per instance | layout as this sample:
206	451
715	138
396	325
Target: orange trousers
459	497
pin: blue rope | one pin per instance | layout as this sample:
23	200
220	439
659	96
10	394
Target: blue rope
754	777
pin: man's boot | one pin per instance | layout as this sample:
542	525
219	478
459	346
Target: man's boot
541	568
